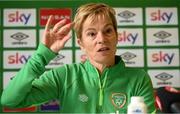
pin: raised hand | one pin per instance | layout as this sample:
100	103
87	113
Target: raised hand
56	37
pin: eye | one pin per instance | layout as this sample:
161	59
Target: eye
91	34
108	31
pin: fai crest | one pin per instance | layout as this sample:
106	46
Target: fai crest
118	99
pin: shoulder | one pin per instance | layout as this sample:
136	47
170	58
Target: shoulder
135	70
66	72
132	71
69	67
69	70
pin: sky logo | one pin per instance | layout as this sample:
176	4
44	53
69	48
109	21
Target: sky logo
161	16
18	58
19	17
127	37
162	57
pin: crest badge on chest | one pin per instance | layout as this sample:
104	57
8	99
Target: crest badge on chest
118	99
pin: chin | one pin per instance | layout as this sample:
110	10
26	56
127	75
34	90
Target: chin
103	59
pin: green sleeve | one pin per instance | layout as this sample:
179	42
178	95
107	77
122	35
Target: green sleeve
146	90
31	85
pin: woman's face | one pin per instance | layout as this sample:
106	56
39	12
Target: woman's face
98	40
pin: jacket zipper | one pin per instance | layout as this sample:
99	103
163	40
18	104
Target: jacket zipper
101	88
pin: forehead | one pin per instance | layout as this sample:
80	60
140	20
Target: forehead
96	19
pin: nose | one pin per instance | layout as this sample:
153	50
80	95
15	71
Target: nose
101	38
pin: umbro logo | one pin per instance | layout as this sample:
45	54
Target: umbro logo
57	60
58	57
128	56
83	97
126	14
163	76
162	35
19	36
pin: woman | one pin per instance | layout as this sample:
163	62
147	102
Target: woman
100	84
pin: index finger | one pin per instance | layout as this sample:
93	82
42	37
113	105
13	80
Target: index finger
49	22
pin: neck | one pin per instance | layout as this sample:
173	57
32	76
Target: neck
102	65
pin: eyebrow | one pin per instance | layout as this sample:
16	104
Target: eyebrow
109	24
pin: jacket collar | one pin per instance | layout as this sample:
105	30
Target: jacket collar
119	64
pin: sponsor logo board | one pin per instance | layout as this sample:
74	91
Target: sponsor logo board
162	57
165	77
16	59
14	38
64	57
130	37
7	76
132	57
52	106
28	109
128	16
162	36
19	17
161	16
75	41
58	14
80	56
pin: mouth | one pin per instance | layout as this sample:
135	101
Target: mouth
103	49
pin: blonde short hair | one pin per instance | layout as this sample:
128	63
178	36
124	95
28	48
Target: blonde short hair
93	10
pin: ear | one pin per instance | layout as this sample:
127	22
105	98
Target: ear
80	43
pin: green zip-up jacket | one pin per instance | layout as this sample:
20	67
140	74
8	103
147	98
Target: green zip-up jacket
78	87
